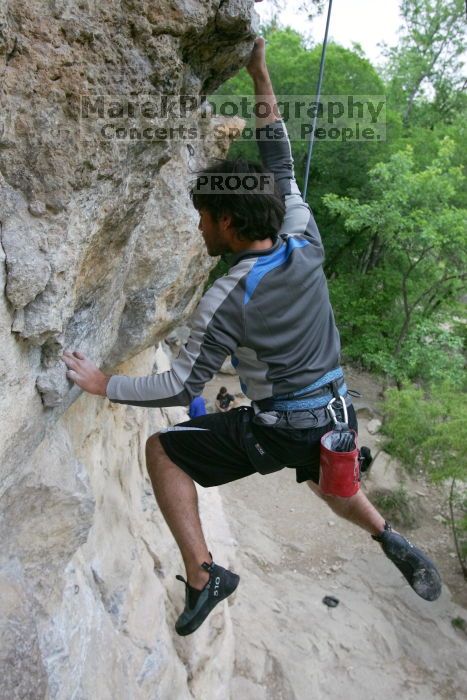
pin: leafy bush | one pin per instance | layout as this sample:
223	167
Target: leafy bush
397	506
426	431
432	349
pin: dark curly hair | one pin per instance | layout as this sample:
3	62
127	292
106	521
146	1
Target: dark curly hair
255	215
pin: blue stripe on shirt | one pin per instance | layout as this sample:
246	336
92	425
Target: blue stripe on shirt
269	262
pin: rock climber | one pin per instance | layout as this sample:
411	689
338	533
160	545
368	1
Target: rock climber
224	400
271	313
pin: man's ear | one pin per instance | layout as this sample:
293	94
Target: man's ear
225	221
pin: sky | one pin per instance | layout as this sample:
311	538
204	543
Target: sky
366	22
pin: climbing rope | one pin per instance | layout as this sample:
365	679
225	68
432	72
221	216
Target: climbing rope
318	94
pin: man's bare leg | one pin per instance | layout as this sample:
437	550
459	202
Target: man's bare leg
357	509
176	496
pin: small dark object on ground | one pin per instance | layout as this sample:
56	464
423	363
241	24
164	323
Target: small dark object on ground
365	459
330	601
459	624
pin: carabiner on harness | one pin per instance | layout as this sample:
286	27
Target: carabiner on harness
332	412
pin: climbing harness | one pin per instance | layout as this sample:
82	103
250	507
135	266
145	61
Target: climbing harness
313	396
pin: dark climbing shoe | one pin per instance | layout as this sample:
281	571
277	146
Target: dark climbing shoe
198	604
365	458
415	566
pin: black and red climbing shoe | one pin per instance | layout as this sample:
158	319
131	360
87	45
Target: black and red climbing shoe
198	604
414	565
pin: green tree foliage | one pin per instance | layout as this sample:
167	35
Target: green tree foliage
425	80
425	430
390	213
425	427
425	68
336	167
406	256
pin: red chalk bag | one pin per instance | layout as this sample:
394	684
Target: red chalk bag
339	472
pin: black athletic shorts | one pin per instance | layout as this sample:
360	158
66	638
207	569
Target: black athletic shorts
221	447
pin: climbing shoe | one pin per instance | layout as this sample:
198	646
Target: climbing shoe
198	604
415	566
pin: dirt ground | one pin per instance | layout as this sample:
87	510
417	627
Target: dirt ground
293	550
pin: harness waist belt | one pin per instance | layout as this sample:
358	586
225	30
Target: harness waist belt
316	395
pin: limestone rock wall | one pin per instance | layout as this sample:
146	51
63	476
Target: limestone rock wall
87	570
99	251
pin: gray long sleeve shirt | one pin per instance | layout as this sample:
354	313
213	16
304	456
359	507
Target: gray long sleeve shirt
271	313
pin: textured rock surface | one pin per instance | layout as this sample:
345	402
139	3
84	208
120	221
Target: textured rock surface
99	251
87	588
99	235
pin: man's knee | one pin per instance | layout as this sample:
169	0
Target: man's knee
154	450
336	503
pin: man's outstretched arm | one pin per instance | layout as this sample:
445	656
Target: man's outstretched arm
209	343
266	102
272	139
274	148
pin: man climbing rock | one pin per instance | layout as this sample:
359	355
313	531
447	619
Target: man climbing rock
271	313
224	400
